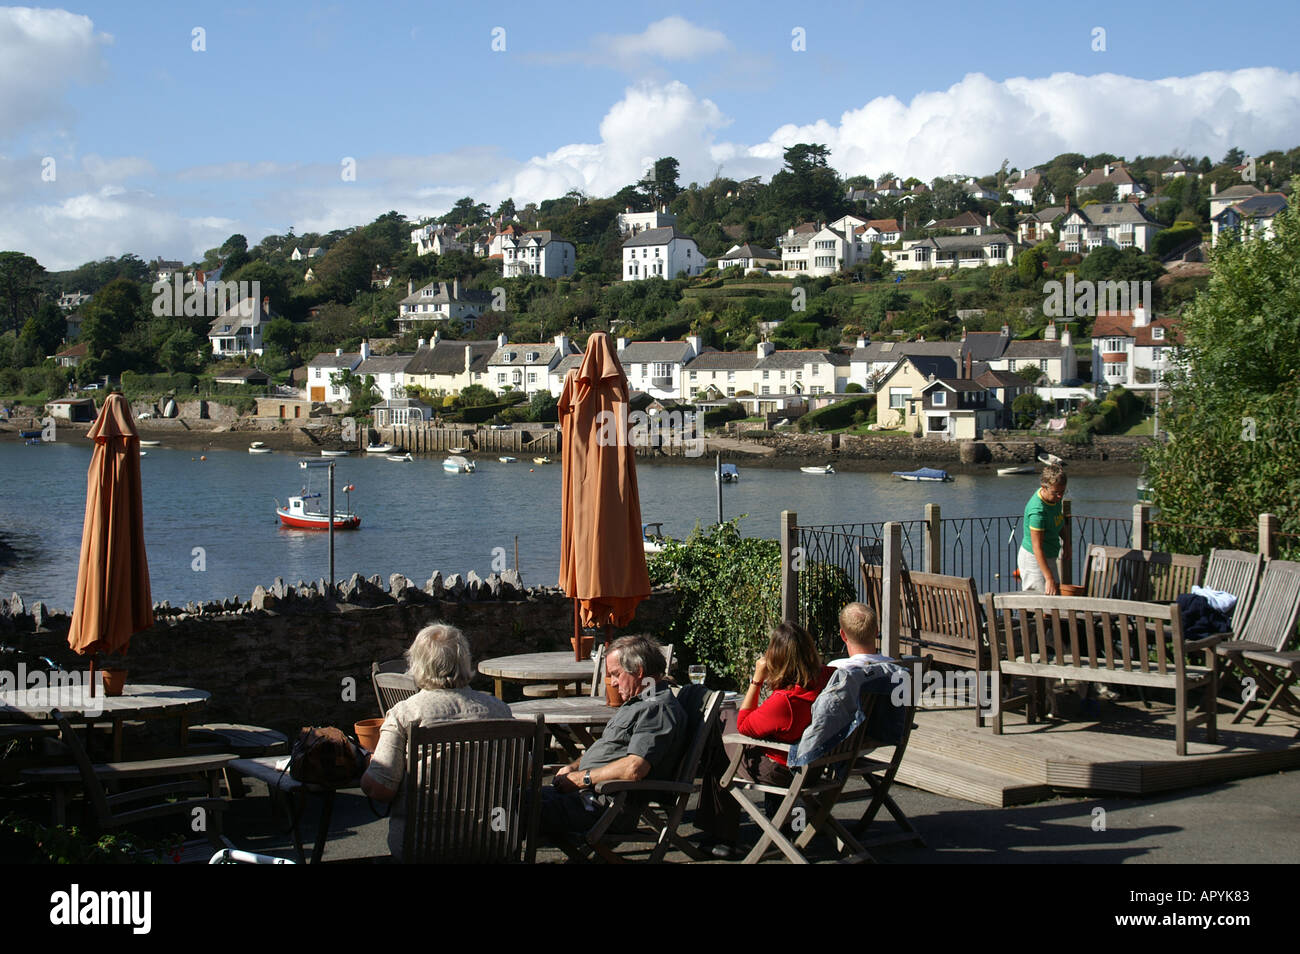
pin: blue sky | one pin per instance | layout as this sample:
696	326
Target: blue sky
160	149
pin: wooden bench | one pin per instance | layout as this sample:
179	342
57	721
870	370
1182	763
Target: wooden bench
1121	573
1091	640
940	617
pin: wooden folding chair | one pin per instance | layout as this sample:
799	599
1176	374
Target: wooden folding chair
814	789
1259	646
392	683
660	805
474	791
1275	674
1236	572
879	773
188	775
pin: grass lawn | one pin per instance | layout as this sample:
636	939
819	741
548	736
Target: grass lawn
1143	428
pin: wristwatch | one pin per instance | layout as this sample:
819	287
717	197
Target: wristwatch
586	779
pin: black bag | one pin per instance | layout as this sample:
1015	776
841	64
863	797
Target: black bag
325	756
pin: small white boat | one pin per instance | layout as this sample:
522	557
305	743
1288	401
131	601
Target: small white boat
458	450
384	448
458	465
399	459
144	453
1050	459
144	443
924	473
334	453
828	469
1020	469
257	447
728	475
541	460
507	460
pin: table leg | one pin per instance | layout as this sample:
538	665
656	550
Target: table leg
323	829
499	683
117	738
185	730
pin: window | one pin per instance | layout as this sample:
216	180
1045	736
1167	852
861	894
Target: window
663	370
731	376
1042	365
798	375
1157	334
532	377
1115	344
532	356
765	375
731	392
898	397
766	390
818	389
693	373
824	261
940	399
501	377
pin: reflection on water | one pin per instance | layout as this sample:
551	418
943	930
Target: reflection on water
416	518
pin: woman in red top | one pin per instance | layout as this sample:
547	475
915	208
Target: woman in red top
792	669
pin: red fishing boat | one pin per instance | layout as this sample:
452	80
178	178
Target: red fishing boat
300	515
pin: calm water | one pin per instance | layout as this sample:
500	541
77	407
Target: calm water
417	519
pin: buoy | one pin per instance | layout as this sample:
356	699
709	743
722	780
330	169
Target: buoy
1015	574
203	457
530	470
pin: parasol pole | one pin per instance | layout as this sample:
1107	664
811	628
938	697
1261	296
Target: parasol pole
577	633
331	523
719	476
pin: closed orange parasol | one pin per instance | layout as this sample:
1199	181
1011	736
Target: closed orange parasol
602	557
113	595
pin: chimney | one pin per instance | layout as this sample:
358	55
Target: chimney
966	370
1067	341
501	340
1049	333
1067	204
365	350
437	336
862	341
1214	188
1006	331
410	286
1140	317
455	289
338	352
988	220
697	345
469	357
562	342
764	349
266	305
1106	170
622	344
963	332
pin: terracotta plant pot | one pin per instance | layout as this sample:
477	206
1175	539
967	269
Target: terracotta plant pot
114	681
588	642
612	697
1069	589
367	731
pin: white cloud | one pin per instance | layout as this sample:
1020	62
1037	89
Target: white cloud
976	123
42	53
672	38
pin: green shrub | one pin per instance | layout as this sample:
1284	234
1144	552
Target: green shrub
718	416
730	589
840	414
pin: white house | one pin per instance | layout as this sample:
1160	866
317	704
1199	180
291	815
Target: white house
526	367
448	367
1250	218
750	257
800	372
977	191
967	223
947	251
1114	173
441	301
322	369
656	367
871	362
882	232
537	253
723	374
298	253
633	223
70	301
1228	197
1120	225
165	269
662	252
436	239
1040	226
238	327
1022	190
1174	170
1128	346
389	372
822	251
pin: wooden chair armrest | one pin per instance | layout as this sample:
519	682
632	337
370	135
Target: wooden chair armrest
646	785
735	738
1205	642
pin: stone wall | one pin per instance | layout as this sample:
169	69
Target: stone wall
291	657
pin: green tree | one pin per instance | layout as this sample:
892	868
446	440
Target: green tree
236	243
46	328
1026	407
108	317
1230	417
1029	266
19	285
542	407
182	351
660	183
475	395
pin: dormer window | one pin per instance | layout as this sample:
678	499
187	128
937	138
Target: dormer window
510	356
1158	333
531	356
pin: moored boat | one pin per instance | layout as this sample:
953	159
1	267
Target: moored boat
27	434
652	537
150	443
924	473
457	450
507	460
384	448
296	516
1019	469
334	453
541	460
401	458
257	447
1050	459
826	469
728	475
458	465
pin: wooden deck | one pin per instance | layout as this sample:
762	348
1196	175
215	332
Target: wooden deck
1129	751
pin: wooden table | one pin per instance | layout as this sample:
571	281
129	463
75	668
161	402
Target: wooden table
569	718
137	701
560	668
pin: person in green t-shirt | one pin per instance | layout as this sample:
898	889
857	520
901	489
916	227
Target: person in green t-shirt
1045	534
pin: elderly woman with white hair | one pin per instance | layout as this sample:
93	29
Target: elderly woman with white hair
439	661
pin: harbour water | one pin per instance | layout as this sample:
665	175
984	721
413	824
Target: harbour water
212	532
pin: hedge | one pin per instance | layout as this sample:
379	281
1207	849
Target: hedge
839	414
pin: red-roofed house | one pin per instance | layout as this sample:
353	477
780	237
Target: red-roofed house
1127	343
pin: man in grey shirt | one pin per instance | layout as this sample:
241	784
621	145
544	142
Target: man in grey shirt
644	739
